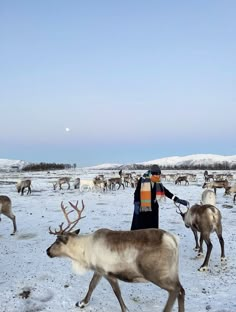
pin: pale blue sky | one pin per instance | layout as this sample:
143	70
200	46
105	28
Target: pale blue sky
133	80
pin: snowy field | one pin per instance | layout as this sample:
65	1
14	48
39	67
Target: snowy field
53	286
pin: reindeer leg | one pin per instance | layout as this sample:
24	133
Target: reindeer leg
11	216
222	245
92	285
14	224
204	266
115	286
181	296
196	240
200	252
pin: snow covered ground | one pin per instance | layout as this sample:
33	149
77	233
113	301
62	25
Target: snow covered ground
53	286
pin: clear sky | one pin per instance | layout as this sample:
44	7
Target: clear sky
132	80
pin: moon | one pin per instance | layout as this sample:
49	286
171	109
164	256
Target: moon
67	129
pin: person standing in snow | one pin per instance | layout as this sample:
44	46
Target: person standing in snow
148	193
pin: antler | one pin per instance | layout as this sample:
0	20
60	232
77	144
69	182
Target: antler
71	224
180	211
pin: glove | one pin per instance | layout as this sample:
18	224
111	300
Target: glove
182	202
136	207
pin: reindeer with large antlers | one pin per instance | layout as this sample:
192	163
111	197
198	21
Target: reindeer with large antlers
149	255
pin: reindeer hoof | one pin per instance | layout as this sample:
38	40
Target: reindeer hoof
203	269
223	259
81	304
199	255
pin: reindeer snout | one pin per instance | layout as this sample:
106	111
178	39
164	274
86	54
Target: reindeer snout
49	253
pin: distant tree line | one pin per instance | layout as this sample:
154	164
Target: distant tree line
187	166
47	166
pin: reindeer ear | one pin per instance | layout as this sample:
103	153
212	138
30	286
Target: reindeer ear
76	231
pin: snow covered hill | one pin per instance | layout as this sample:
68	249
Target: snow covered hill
11	165
198	160
191	161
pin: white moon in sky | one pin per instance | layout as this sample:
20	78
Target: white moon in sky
67	129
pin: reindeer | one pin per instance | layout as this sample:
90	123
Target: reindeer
77	183
60	181
86	185
111	183
149	255
208	198
6	210
180	179
100	182
216	184
22	185
208	177
204	219
231	190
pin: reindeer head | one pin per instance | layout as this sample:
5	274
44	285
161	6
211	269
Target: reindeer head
227	190
183	214
65	236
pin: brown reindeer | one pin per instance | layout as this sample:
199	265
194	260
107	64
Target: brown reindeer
216	184
204	219
231	190
6	209
180	179
149	255
208	177
111	183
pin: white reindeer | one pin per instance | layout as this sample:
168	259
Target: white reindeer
208	198
149	255
6	210
204	219
22	185
86	185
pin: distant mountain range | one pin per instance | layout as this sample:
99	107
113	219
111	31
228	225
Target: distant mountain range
197	161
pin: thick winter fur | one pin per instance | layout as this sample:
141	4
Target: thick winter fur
149	255
6	209
216	184
208	197
231	190
205	219
22	185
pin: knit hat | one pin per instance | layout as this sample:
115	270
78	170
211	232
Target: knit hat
155	169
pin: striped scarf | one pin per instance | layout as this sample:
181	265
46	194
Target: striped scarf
145	194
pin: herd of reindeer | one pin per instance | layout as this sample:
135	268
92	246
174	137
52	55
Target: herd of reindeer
149	255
